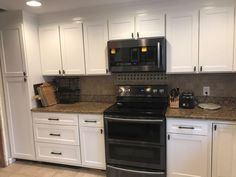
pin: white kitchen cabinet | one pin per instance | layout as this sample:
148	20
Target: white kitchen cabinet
13	63
19	118
224	150
92	147
61	49
150	25
92	141
50	50
95	43
121	28
182	42
143	25
188	148
72	49
216	40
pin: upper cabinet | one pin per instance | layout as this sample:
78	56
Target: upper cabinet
12	40
144	25
95	44
62	51
182	42
216	40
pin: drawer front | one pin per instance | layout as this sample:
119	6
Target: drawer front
182	126
91	120
64	154
55	118
56	134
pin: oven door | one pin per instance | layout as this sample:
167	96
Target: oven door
136	142
115	171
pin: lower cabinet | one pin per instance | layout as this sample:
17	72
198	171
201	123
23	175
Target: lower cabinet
188	149
224	150
92	141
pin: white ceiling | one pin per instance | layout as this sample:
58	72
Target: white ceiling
58	5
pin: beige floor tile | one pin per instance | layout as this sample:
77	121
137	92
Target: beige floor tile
5	174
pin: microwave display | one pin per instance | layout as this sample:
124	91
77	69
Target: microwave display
137	55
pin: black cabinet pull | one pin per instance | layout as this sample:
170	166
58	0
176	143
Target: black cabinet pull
201	68
101	131
168	137
56	153
90	121
25	79
53	134
59	71
24	73
215	127
63	71
195	68
190	128
137	34
55	119
132	35
107	71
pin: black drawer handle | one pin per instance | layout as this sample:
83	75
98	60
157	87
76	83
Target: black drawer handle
189	128
53	134
56	153
90	121
55	119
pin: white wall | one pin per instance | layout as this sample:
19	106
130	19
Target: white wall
132	9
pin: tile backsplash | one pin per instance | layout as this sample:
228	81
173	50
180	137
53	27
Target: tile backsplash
103	88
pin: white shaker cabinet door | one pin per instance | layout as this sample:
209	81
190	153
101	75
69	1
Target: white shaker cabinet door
187	155
152	25
72	48
13	56
19	118
121	28
224	151
182	42
95	41
50	50
92	147
216	40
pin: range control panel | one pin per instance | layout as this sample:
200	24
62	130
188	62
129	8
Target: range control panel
144	91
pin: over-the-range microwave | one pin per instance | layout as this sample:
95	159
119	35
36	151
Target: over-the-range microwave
137	55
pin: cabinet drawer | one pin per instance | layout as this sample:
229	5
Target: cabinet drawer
91	120
55	118
64	154
193	127
56	134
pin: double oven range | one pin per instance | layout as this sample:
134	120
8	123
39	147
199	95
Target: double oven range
135	132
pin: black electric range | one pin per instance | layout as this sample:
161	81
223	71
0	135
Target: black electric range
135	132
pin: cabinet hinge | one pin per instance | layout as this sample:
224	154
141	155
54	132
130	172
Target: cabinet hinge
215	127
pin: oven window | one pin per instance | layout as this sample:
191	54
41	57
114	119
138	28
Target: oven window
134	131
134	155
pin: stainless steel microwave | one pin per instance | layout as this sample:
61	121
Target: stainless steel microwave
137	55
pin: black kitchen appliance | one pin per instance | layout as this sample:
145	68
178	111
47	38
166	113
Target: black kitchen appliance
137	55
135	132
187	100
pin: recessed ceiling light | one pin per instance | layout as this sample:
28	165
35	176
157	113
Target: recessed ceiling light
34	3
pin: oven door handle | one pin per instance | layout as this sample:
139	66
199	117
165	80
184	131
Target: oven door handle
136	171
132	120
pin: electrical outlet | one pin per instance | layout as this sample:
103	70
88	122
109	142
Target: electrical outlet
206	91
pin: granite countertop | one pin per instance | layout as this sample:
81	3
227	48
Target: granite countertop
226	113
81	107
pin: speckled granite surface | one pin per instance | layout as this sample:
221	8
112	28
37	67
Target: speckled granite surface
226	113
81	107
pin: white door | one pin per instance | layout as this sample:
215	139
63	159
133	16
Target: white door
182	42
121	28
216	40
72	48
187	156
224	151
150	25
50	50
95	41
19	118
13	56
92	147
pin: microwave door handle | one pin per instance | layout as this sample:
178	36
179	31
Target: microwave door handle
158	55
